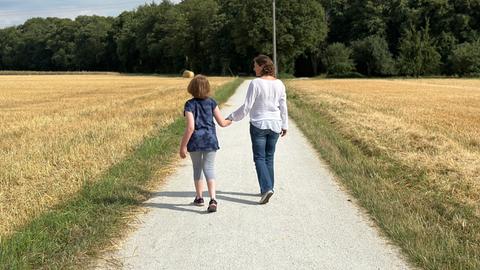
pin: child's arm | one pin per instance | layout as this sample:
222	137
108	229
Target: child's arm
189	129
219	118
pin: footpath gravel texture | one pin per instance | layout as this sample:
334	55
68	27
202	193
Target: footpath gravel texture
309	223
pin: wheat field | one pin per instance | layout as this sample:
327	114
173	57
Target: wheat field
429	124
60	132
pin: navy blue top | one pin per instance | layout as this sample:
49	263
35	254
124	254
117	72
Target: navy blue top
204	138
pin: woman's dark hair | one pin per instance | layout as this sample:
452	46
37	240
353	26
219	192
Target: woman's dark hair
268	69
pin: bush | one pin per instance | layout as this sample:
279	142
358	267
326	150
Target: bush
465	59
337	59
372	56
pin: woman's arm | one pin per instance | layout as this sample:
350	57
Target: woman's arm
284	112
241	112
189	129
219	118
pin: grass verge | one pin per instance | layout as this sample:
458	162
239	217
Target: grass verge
66	236
432	229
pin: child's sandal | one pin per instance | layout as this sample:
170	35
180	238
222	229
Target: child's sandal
199	201
212	206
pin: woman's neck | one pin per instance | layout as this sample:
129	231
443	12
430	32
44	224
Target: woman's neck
268	77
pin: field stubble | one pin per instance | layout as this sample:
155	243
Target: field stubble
427	124
58	133
409	151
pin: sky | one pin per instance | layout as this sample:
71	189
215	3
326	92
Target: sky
15	12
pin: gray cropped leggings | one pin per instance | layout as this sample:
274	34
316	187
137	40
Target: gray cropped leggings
203	161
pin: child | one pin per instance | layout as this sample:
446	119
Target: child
200	138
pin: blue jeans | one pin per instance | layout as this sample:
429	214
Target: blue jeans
263	146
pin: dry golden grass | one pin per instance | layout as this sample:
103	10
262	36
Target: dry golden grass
431	124
60	132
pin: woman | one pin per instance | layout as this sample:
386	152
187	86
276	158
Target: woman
266	102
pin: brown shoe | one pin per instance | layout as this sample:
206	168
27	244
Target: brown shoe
212	206
198	201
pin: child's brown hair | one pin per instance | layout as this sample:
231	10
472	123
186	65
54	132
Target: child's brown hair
199	87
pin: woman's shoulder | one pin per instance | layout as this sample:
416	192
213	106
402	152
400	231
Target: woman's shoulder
265	82
262	80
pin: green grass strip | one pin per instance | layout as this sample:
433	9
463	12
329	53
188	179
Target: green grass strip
64	237
432	229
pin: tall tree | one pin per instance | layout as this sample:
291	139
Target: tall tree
31	50
306	22
151	39
203	21
9	37
91	44
399	17
466	20
61	44
367	18
418	55
353	20
300	26
127	53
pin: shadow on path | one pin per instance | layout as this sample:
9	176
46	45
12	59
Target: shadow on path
239	193
221	195
176	207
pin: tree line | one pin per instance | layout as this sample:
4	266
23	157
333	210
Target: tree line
337	37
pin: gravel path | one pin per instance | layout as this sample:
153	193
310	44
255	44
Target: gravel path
309	223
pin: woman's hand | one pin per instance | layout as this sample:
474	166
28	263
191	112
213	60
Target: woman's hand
283	133
183	152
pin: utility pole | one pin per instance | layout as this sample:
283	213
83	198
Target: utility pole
274	42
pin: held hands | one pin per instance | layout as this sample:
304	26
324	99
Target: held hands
221	121
227	122
283	133
183	152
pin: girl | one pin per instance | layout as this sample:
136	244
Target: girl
200	138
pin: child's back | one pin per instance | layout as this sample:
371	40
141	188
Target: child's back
204	138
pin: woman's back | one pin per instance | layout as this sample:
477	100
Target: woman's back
269	94
266	102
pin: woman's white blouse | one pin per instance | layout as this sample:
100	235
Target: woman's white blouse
266	102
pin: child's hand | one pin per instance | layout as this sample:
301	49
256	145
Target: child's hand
183	152
284	132
228	122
